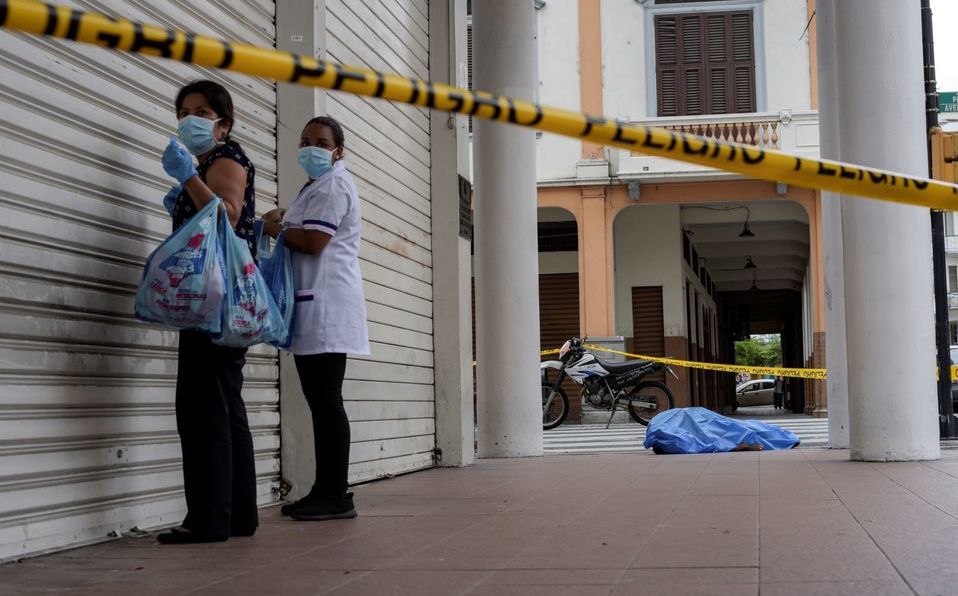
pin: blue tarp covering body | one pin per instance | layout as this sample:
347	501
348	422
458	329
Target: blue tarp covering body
698	430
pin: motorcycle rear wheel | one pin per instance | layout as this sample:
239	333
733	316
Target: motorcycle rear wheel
656	395
554	414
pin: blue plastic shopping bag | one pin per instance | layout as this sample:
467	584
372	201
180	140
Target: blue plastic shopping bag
250	315
276	266
182	284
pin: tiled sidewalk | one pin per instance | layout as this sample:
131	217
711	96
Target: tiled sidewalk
798	522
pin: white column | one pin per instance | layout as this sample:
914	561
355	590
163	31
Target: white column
304	22
452	263
836	387
889	309
506	252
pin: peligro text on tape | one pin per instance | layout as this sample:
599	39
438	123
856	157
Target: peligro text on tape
60	21
775	371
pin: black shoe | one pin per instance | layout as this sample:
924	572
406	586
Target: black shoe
323	508
178	536
289	508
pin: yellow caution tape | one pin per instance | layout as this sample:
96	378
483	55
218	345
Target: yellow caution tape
120	34
775	371
542	353
954	373
800	373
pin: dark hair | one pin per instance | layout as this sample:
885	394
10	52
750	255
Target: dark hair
338	137
216	95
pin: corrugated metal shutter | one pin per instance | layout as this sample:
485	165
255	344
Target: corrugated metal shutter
648	323
88	441
390	395
559	321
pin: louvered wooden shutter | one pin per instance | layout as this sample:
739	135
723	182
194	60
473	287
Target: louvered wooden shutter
743	61
704	64
648	322
716	31
667	65
558	309
693	74
559	321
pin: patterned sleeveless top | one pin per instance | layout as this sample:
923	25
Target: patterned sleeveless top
184	208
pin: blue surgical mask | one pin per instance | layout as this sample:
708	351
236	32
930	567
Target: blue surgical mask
196	134
316	161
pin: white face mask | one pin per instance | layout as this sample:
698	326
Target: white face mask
196	134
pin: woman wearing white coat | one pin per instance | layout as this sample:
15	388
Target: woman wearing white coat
322	230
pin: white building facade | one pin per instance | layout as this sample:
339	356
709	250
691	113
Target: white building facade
659	265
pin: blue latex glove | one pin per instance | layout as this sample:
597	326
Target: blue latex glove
178	162
169	201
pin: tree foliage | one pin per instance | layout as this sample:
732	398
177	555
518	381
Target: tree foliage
752	352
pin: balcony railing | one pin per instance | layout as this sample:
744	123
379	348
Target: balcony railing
759	133
951	245
953	302
795	133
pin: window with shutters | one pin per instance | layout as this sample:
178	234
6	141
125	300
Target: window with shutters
704	63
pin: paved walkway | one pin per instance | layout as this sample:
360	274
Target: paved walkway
804	521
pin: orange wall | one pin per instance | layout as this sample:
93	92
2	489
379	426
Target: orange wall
590	67
813	53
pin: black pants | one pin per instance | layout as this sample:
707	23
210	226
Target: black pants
779	399
219	473
322	378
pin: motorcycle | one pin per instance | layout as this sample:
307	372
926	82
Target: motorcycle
605	385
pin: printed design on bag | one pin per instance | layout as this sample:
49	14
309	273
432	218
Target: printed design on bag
185	262
248	300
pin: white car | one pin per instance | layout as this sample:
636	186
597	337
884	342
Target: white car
758	392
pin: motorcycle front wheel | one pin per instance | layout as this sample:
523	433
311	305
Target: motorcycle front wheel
555	406
648	399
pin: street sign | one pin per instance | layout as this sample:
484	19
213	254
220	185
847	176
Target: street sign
948	101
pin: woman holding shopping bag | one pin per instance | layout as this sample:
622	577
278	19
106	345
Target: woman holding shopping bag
322	230
219	475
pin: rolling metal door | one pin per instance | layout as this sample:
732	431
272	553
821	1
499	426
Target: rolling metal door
390	395
88	442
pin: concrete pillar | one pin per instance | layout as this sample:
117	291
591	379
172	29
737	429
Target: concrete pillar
893	409
835	346
506	252
306	23
452	264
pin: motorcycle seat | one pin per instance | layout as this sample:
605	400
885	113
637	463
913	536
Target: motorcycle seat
622	367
